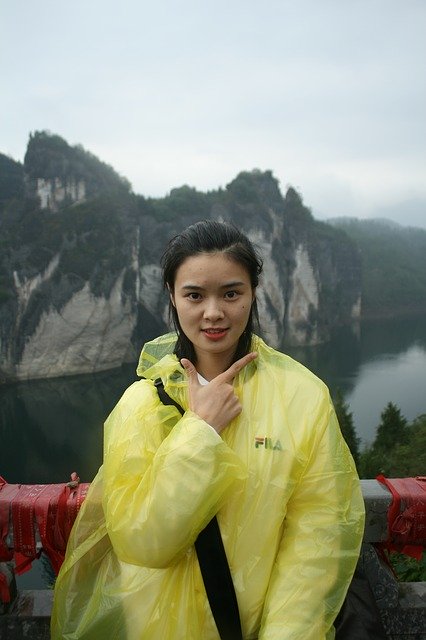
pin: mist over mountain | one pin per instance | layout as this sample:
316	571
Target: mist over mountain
393	260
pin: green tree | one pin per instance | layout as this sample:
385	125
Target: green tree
402	456
409	459
372	462
345	418
392	429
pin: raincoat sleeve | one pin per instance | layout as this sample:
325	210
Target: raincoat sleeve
321	539
165	478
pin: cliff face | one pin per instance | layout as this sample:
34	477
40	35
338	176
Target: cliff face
80	282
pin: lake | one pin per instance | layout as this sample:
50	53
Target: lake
384	362
49	428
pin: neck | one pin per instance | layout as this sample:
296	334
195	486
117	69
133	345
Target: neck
211	365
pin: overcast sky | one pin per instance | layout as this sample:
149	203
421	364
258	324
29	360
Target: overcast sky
328	94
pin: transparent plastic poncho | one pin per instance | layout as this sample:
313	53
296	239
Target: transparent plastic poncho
280	479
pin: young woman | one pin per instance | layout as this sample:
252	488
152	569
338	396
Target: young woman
258	445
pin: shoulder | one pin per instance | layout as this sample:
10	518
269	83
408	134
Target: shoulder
141	396
286	370
154	350
138	407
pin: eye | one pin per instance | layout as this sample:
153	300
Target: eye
193	295
231	295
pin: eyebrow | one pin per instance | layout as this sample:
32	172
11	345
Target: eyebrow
195	287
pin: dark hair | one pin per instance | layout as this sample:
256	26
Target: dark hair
210	236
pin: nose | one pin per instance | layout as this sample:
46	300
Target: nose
213	310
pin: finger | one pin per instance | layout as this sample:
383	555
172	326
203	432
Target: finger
190	370
229	374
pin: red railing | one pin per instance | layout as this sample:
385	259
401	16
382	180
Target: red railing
39	518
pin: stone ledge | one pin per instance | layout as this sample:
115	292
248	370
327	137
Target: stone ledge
28	616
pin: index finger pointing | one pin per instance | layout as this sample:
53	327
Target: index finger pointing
229	374
190	370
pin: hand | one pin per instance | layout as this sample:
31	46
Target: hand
216	402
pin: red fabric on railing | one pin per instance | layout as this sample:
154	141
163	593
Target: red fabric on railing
406	515
55	515
5	596
48	509
7	494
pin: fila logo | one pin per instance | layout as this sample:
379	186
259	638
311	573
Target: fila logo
268	443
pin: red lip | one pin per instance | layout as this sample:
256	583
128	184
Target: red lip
215	333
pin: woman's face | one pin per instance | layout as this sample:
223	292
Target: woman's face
213	297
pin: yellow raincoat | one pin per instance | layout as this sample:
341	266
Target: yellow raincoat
280	477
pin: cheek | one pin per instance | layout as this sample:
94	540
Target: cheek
185	311
244	311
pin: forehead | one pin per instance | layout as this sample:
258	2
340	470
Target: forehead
211	267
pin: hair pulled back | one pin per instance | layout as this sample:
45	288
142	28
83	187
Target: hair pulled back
211	236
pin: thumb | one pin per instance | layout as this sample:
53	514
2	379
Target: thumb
190	370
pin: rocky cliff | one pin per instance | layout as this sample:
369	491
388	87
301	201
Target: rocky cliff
80	283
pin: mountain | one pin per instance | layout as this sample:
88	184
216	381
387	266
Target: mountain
80	281
393	260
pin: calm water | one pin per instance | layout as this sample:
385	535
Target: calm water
49	428
385	363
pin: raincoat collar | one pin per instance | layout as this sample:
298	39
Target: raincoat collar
157	359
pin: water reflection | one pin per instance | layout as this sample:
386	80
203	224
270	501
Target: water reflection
49	428
392	336
337	362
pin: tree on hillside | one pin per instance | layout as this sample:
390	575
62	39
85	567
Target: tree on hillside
392	429
345	418
11	179
408	460
395	444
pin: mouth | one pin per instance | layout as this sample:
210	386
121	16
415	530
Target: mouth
215	334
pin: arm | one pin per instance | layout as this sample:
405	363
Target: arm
163	483
320	543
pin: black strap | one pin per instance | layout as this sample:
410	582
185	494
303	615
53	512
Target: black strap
213	564
164	396
218	581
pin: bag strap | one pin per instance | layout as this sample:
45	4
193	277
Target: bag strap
213	564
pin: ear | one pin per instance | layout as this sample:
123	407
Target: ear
172	299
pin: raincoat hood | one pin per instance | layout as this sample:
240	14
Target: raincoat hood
160	349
